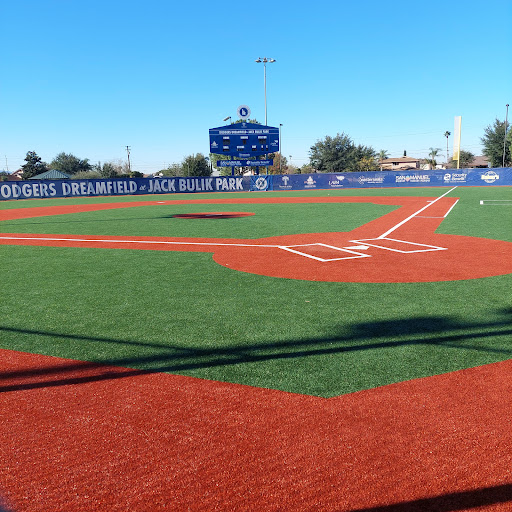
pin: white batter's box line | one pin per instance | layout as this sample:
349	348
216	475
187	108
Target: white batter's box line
414	246
352	254
496	202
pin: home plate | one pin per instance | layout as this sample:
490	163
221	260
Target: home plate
355	247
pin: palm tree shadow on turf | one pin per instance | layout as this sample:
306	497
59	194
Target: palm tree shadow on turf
442	331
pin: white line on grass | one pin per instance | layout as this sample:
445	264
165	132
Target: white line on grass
496	202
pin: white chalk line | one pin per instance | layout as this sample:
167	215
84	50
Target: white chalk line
353	254
144	242
496	202
422	247
430	203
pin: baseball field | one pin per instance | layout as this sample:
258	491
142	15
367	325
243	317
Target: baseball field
344	350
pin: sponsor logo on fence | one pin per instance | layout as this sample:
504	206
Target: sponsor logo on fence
285	180
451	177
490	176
261	183
413	178
310	183
370	180
336	183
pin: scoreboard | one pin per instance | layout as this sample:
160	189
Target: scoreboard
244	140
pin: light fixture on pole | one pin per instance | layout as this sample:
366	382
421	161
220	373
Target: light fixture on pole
505	136
259	60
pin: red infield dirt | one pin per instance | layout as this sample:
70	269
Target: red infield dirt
401	246
78	436
83	437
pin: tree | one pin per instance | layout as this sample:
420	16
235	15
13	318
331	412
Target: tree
338	154
465	160
493	142
367	163
214	157
196	165
363	156
432	157
280	165
34	165
305	169
70	164
87	175
383	155
107	170
171	171
252	121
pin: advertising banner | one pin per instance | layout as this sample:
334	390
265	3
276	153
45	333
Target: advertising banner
39	189
113	187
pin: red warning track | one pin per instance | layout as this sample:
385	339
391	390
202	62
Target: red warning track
401	246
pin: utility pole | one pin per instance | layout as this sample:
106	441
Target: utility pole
128	152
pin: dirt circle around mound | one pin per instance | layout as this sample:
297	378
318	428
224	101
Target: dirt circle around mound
212	215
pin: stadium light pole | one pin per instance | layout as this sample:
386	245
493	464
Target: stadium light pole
447	134
280	148
259	60
505	136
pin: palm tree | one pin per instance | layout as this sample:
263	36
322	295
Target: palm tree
383	154
433	154
447	134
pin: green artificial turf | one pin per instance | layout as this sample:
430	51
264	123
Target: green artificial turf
184	314
159	220
471	218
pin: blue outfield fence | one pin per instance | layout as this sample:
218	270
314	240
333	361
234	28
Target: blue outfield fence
141	186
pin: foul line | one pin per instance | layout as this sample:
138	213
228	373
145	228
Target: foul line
349	253
384	235
109	241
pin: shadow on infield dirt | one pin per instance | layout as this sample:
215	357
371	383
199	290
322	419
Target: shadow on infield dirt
464	500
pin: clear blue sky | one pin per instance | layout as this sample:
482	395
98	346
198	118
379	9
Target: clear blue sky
91	77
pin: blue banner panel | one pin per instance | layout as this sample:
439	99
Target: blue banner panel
263	182
129	186
244	163
177	185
